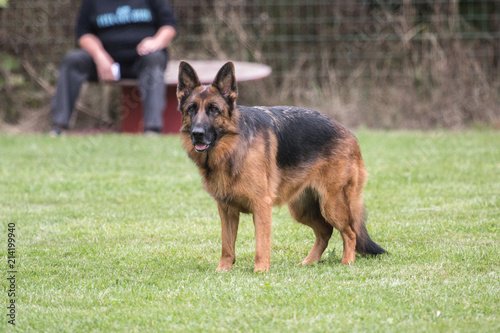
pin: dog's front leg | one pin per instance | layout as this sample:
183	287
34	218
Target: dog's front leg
229	218
262	221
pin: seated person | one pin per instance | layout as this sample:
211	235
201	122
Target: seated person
133	35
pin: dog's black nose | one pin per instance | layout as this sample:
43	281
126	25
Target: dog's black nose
198	134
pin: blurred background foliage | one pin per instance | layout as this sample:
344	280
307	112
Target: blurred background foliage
376	63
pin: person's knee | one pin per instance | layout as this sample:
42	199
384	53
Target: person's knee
76	58
155	59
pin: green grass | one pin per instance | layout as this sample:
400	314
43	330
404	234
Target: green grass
114	233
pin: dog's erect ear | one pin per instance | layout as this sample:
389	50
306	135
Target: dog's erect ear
188	80
225	81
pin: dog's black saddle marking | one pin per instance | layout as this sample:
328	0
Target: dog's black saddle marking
302	133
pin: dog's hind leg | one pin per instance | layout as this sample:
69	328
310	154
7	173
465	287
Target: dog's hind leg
335	209
306	210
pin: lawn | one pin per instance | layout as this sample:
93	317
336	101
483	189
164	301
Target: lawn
114	233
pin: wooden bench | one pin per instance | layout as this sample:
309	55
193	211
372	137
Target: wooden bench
132	120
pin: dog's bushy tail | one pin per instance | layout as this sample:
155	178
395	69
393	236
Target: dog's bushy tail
364	244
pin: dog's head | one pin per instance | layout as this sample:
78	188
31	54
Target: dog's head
207	111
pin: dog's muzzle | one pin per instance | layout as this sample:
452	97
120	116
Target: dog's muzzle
199	139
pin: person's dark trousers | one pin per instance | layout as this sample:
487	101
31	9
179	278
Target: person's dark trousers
78	67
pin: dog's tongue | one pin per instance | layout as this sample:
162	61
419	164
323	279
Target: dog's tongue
200	146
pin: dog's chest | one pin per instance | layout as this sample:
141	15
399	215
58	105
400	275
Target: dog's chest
226	188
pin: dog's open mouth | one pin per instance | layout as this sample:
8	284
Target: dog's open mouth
201	147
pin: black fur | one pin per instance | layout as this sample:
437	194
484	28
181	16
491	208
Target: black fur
302	133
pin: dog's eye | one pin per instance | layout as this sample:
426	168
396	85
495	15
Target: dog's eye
213	109
191	109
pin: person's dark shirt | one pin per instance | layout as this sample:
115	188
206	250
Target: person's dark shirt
122	24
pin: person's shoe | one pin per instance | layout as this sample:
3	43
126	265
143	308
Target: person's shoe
55	132
152	132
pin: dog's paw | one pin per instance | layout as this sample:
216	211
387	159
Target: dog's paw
261	268
224	267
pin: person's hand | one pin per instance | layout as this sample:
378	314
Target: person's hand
159	41
149	45
103	64
103	61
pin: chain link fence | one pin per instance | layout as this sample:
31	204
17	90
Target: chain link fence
379	63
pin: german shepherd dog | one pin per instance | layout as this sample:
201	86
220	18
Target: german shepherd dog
251	158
